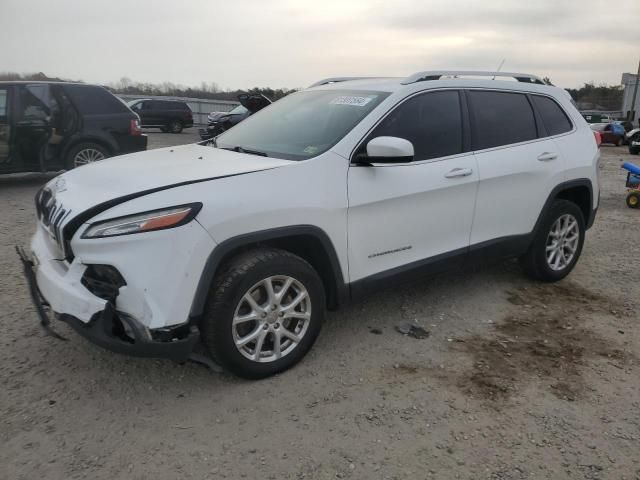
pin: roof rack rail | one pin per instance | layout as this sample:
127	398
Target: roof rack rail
438	74
327	81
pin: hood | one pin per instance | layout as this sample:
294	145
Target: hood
217	116
79	194
253	102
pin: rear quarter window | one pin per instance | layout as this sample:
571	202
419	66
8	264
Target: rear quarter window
500	118
90	100
554	119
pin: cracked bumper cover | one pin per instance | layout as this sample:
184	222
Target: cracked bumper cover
106	328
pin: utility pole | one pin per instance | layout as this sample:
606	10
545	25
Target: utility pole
633	98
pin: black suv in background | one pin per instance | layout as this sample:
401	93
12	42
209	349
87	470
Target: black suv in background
47	126
169	115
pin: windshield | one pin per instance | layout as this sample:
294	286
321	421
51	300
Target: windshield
301	125
238	110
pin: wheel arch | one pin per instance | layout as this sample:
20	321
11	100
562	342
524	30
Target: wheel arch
306	241
110	147
578	191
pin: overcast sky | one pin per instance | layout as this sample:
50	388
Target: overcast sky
291	43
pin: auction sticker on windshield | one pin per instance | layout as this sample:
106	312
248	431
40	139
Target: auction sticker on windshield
352	100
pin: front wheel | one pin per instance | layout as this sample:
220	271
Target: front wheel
264	313
557	243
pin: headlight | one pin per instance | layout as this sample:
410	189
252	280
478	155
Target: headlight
144	222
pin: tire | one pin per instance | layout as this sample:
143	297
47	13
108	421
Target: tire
620	142
175	126
633	200
634	150
84	153
543	266
246	276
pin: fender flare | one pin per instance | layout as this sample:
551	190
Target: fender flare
578	182
227	246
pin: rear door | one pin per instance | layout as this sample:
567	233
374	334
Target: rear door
517	166
405	216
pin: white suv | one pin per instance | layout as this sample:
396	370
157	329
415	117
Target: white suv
327	194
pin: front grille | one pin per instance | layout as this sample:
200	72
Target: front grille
51	214
103	281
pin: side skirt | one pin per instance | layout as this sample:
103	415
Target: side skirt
506	247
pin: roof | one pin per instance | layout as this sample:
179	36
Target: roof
44	82
439	78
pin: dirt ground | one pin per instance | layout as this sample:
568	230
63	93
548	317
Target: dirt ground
517	380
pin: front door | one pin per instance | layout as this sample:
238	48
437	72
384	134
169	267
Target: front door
5	129
32	127
405	216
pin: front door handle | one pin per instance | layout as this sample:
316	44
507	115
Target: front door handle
547	156
458	172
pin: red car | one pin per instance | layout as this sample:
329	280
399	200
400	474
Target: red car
609	132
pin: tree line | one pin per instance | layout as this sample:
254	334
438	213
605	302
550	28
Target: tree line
207	90
588	97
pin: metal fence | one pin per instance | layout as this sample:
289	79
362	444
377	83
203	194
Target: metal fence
199	106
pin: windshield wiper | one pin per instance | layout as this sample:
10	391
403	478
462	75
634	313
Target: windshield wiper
240	149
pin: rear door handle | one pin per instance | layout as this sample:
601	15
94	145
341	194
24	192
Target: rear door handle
458	172
547	156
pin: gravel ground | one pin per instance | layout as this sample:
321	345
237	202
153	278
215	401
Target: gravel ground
517	380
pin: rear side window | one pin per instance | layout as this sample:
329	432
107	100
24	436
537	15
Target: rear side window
179	106
94	100
431	121
500	118
554	119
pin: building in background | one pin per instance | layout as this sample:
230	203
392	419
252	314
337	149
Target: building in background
629	81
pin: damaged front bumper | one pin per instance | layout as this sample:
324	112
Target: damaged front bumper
110	329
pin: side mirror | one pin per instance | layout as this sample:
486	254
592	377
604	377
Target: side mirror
389	150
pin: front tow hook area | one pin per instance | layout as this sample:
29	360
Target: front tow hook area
38	301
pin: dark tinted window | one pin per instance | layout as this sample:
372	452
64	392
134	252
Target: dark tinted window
432	122
500	118
179	106
91	99
554	119
35	103
3	102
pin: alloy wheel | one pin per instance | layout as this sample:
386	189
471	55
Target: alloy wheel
271	319
562	242
87	155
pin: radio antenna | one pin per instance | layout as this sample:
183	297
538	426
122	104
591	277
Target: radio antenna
499	67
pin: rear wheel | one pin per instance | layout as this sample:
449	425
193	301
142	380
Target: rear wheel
557	243
175	126
633	200
264	313
85	153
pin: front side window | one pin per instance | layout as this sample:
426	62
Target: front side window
500	118
3	102
302	125
432	122
554	119
35	104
